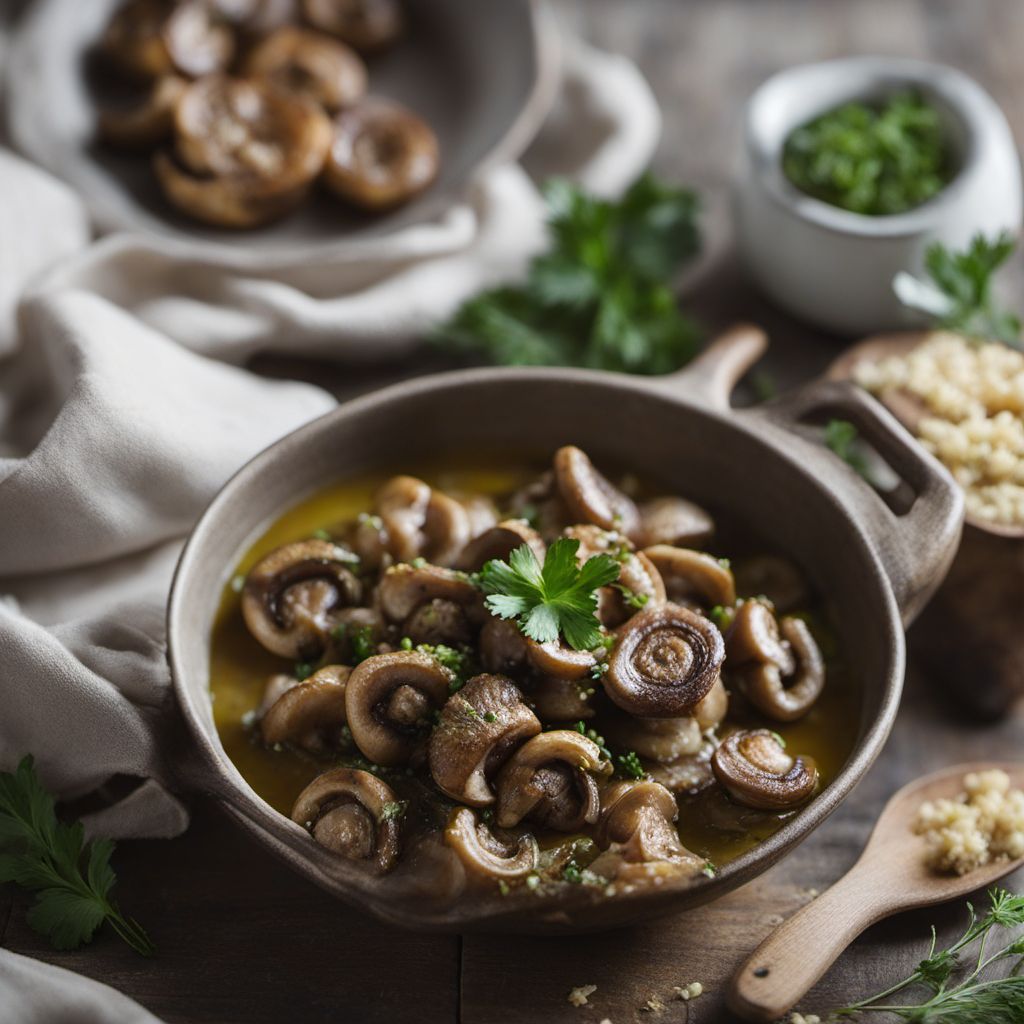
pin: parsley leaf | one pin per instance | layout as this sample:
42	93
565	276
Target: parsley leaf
841	436
958	296
558	598
600	296
44	855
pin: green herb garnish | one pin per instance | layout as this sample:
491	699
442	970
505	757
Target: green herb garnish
393	810
572	873
560	598
841	436
303	670
958	296
631	597
709	869
871	159
961	989
722	616
322	535
630	766
601	295
44	855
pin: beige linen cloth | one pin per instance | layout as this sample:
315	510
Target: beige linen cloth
121	415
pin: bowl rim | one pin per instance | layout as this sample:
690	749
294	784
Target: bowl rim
964	99
282	835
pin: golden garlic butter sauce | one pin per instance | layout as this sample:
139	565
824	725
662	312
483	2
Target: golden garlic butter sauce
239	667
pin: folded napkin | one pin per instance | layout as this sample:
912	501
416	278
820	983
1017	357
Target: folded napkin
120	418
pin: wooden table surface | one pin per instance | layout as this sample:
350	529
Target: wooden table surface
243	939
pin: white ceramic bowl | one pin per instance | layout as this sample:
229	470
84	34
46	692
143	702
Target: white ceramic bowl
835	268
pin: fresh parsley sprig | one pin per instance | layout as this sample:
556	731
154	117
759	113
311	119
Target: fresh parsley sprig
601	295
958	295
560	598
842	437
961	988
45	856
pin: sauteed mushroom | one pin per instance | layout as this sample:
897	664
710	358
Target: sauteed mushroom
150	38
256	16
550	779
693	576
560	660
389	702
777	578
499	542
664	662
540	503
148	123
481	512
311	713
245	152
754	637
757	772
291	597
484	854
503	648
675	521
637	817
561	700
477	731
381	156
434	605
659	739
591	497
784	696
367	25
351	813
276	685
420	522
311	64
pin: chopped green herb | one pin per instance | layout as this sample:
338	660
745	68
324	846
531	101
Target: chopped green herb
238	583
418	563
366	519
709	869
322	535
406	643
572	873
722	616
45	856
393	810
303	670
630	766
778	739
490	716
601	296
632	598
503	887
598	669
595	737
841	436
561	597
874	159
362	644
532	881
959	295
458	662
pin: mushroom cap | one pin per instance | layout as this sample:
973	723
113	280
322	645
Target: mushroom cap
419	521
197	40
368	25
486	856
345	810
781	696
310	713
382	155
561	700
478	729
404	588
146	124
753	638
309	63
757	772
638	817
675	521
590	497
549	778
665	661
693	576
389	700
291	595
499	542
502	646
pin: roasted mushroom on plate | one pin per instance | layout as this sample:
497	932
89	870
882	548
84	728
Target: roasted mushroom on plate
555	694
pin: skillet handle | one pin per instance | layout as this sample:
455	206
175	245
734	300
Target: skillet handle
916	546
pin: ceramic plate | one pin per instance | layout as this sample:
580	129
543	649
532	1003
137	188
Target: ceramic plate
481	74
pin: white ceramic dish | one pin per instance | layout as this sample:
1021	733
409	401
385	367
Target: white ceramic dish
835	268
483	75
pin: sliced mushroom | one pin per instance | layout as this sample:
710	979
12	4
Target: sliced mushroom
350	812
291	597
477	731
781	696
311	64
404	589
147	124
310	714
754	638
664	662
276	685
674	521
150	38
503	648
659	739
382	155
591	497
712	709
390	700
775	577
368	25
693	576
558	659
420	521
637	817
757	772
561	700
499	542
550	779
245	152
486	856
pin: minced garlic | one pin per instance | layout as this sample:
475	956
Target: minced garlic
688	992
974	396
578	996
983	824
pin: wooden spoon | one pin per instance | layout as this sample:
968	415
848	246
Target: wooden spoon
891	875
907	408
